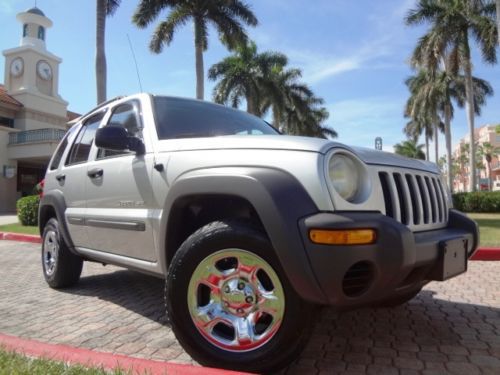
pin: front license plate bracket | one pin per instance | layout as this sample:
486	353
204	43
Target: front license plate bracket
452	259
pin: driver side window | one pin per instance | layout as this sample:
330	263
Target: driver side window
126	116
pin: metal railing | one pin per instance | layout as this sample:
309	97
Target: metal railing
495	166
35	136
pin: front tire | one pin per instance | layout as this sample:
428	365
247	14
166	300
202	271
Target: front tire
229	302
61	268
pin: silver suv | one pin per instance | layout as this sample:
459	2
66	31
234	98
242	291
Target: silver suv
251	229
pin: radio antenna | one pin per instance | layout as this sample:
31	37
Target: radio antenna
135	61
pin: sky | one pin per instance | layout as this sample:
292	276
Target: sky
353	54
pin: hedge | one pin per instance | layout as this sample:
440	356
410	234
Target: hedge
480	201
27	209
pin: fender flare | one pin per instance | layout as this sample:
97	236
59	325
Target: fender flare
55	199
280	201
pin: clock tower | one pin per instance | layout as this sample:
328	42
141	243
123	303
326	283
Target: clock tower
32	72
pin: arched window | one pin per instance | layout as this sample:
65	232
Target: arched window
41	33
25	30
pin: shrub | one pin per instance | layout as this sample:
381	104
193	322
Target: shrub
480	201
27	209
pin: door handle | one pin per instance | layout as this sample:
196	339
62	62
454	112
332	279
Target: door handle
60	177
94	173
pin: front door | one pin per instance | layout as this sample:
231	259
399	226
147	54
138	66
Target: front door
119	194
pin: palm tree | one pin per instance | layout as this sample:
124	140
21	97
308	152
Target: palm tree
498	19
422	107
452	23
308	121
417	126
104	8
228	17
410	148
264	82
433	93
244	75
488	151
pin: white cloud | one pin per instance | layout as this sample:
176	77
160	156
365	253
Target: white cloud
320	67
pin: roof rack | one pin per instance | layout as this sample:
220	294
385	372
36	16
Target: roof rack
100	106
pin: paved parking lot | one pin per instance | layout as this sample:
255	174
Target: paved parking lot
451	327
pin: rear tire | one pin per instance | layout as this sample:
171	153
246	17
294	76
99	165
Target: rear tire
61	268
230	304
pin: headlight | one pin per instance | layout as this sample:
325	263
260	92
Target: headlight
345	176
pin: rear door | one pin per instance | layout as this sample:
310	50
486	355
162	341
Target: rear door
119	193
71	179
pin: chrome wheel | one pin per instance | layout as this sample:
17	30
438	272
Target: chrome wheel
236	300
50	252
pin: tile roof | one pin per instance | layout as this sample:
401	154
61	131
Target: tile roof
72	115
6	98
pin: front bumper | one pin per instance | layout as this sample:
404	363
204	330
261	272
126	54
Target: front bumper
398	263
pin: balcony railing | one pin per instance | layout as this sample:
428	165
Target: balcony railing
495	166
35	136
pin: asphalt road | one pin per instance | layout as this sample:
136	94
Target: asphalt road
451	327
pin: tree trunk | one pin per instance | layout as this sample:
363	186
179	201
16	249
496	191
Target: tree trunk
251	106
100	56
469	108
498	20
200	72
447	134
490	183
427	147
276	117
436	142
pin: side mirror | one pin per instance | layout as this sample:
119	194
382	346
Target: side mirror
117	139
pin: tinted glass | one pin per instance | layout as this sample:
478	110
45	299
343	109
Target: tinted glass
125	116
81	147
60	150
182	118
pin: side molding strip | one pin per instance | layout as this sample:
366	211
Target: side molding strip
138	226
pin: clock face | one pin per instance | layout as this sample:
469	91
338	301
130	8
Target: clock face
44	70
17	67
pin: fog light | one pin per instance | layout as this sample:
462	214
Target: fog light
343	236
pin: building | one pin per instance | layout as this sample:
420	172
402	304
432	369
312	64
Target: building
487	134
33	116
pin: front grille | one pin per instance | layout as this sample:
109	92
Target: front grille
416	199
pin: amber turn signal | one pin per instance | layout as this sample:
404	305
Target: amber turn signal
343	236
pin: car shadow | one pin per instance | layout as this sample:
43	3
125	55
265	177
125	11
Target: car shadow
349	340
134	291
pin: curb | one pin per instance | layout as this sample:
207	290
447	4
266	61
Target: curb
91	358
483	253
20	237
487	253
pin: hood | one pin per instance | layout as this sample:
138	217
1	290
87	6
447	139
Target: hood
266	142
370	156
286	142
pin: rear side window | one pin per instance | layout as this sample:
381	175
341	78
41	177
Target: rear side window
79	152
60	150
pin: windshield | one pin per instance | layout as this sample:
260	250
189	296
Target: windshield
185	118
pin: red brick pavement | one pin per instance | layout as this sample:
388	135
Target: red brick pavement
451	327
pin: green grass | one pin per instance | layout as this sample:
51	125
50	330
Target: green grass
19	228
489	228
16	364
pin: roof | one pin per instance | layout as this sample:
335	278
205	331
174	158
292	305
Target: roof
35	10
6	98
72	115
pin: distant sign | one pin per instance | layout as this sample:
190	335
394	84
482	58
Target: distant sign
378	143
